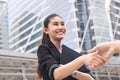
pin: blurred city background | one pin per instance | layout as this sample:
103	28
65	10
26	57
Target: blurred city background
88	23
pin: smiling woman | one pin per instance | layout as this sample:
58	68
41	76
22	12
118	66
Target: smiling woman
56	29
51	48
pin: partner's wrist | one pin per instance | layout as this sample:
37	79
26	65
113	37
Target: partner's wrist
116	45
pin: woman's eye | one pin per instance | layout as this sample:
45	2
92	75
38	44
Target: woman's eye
55	24
62	24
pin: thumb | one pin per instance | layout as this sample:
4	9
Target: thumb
93	50
94	53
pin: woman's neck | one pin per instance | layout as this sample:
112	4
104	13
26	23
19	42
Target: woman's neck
57	45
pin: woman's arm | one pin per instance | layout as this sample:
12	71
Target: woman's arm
67	69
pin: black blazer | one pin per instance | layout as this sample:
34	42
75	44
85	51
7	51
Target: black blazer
49	58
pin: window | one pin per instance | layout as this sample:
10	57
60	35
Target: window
117	4
119	20
82	26
80	7
80	1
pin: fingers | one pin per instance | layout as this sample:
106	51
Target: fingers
100	60
93	50
97	61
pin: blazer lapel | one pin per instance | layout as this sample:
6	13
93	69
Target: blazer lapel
54	51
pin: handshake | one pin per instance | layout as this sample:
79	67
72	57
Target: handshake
101	53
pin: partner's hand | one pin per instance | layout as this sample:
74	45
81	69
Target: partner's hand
104	49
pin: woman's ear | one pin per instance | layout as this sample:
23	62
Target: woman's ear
45	30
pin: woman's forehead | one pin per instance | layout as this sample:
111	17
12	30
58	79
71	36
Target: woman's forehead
56	19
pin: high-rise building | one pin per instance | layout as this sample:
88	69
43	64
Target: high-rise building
26	17
3	26
100	19
83	27
115	19
25	23
93	23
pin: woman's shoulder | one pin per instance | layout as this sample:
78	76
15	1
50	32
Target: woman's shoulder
49	44
46	45
42	47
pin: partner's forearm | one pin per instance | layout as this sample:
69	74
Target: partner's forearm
116	45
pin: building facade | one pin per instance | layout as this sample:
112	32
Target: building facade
3	26
115	19
81	22
17	66
25	21
101	24
83	27
93	23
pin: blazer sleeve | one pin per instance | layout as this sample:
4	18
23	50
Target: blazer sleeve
46	61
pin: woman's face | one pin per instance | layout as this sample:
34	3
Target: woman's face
56	28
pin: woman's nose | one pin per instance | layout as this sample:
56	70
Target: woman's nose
60	26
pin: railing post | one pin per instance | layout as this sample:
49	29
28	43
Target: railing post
23	72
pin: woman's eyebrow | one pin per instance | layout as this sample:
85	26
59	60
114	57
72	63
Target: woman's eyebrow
55	22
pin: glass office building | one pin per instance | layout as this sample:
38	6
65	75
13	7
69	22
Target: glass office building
93	23
25	22
3	26
99	21
83	27
115	19
87	23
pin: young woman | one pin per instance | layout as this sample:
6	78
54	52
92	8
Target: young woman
49	54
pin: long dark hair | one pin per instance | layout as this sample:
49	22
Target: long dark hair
46	37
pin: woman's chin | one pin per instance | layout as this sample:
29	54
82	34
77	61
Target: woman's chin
60	38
